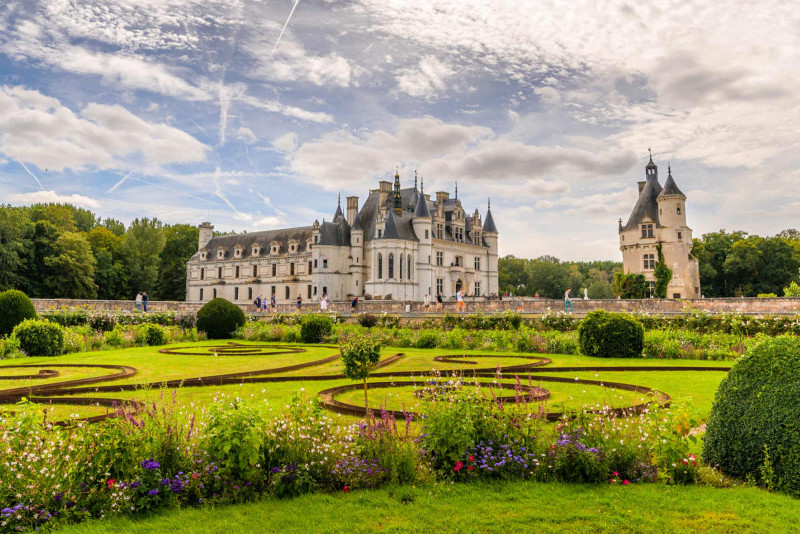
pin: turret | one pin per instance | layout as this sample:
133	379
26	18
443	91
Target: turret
490	235
671	204
206	233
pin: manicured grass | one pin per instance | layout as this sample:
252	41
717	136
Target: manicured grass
695	387
506	507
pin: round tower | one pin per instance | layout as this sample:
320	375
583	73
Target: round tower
423	228
490	236
671	205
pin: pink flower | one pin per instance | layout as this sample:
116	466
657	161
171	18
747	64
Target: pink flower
110	482
615	474
459	465
625	482
346	489
470	468
471	458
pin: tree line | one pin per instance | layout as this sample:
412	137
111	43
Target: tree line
62	251
549	277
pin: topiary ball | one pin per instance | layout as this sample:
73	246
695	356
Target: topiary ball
40	338
219	318
610	335
757	408
15	307
315	328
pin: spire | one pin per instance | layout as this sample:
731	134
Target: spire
397	199
338	216
670	187
421	209
415	179
488	223
669	170
651	170
456	190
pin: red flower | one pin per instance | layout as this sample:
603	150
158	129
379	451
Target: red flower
346	489
459	465
471	458
625	482
110	482
615	474
470	468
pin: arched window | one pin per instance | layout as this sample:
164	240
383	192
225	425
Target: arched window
380	266
410	275
249	293
401	266
391	266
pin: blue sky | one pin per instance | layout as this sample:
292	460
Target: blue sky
181	110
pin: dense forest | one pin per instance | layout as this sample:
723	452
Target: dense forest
58	250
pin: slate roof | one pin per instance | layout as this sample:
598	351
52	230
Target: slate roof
670	187
488	222
334	233
283	236
646	206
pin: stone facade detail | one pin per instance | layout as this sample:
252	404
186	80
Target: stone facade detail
659	219
400	245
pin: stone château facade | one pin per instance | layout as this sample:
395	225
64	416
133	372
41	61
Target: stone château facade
400	245
659	218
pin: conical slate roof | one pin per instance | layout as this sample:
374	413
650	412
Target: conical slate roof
670	187
421	209
488	223
646	206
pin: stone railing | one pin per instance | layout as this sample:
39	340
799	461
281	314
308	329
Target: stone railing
752	306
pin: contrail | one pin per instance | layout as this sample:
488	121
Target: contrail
32	175
284	27
116	185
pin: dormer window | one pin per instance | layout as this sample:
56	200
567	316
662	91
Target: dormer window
647	230
255	251
203	255
238	251
275	248
221	254
294	247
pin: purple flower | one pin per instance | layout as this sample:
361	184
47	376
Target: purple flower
153	492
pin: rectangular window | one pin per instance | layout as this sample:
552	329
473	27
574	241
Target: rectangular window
249	293
324	290
652	286
287	292
356	260
237	272
649	261
477	289
202	275
477	263
380	234
291	269
315	264
324	264
426	234
201	293
219	272
680	236
676	295
458	261
440	286
440	258
315	290
255	270
272	290
309	291
235	293
647	230
214	293
679	212
274	269
309	268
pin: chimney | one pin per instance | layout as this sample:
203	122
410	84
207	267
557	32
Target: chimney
206	233
641	186
352	210
441	196
384	188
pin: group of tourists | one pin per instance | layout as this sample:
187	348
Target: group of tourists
263	305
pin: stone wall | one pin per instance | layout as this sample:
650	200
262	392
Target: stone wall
529	305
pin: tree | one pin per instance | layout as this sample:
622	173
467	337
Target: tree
84	219
141	248
181	244
71	267
663	275
793	289
511	273
631	286
45	234
550	277
16	231
712	251
116	227
59	215
601	290
360	355
110	276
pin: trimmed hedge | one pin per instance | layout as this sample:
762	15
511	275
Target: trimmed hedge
219	318
610	335
15	307
315	328
151	334
40	338
755	414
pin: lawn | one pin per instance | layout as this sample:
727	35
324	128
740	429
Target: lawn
696	388
484	507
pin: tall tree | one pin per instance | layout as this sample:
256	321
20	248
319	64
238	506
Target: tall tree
115	226
141	248
71	267
59	215
45	235
16	231
181	244
111	275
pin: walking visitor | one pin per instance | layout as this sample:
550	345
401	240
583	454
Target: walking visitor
257	302
426	304
567	301
138	301
299	302
353	304
145	298
460	301
323	304
273	303
439	301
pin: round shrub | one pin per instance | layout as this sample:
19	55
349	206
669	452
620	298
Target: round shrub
15	307
151	334
427	339
40	338
315	328
753	430
367	320
610	335
219	318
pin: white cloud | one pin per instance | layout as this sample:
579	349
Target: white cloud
548	95
246	135
425	80
37	129
286	143
37	197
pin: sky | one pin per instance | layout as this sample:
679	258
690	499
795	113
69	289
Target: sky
256	114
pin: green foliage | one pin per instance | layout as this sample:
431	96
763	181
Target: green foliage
141	249
315	328
15	307
631	286
360	354
550	276
235	434
663	275
219	318
755	415
16	231
293	481
151	334
40	338
180	244
71	267
792	290
610	335
367	320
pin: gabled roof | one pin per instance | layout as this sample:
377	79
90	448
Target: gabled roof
228	242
